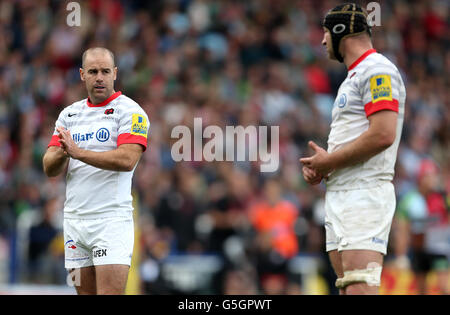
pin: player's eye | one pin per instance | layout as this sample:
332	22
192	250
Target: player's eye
92	71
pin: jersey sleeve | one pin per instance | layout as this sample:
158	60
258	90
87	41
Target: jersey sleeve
60	122
133	128
379	88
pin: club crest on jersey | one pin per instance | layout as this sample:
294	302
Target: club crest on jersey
70	244
102	134
139	125
342	100
380	88
109	111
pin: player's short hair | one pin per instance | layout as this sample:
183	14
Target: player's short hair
345	20
97	49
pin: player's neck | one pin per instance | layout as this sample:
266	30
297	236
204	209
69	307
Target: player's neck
96	101
354	50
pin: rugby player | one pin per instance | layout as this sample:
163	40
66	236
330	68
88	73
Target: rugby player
99	140
358	165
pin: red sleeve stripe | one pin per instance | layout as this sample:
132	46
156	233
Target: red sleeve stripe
129	138
54	142
371	108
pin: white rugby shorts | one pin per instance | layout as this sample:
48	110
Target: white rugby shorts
93	242
360	218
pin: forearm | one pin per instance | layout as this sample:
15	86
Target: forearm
360	150
122	159
380	136
114	160
54	161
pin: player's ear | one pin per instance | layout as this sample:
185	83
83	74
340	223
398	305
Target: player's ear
81	74
115	73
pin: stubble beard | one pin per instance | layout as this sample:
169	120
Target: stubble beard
99	98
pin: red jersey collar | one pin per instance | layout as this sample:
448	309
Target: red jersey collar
363	56
105	102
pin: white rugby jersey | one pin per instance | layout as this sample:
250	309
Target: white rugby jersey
93	192
373	83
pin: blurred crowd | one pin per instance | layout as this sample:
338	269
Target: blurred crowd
255	62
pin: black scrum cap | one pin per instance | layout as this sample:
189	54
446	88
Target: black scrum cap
345	20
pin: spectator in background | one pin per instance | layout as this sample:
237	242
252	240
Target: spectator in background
178	209
422	227
45	257
238	282
273	219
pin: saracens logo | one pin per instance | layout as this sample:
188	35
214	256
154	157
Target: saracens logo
109	111
70	244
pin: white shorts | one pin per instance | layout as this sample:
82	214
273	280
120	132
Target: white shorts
359	219
92	242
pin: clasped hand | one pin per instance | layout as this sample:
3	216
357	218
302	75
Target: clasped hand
316	167
67	144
